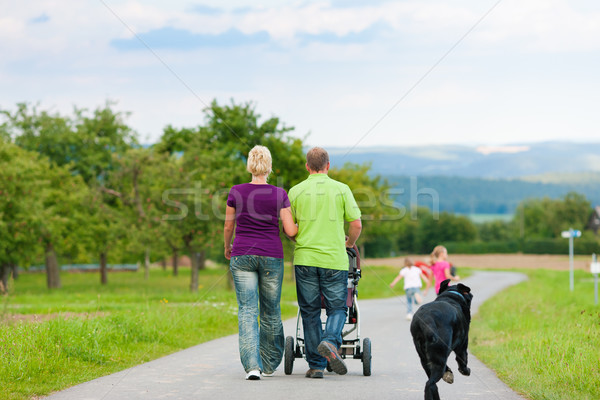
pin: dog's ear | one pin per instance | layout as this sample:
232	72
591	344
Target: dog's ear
444	286
463	288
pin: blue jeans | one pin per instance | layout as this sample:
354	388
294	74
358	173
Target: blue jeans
257	281
311	282
410	298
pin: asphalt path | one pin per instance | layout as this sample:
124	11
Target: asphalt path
212	370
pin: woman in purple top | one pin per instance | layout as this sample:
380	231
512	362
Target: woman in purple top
256	262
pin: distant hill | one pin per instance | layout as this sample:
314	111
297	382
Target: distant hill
503	162
480	196
484	180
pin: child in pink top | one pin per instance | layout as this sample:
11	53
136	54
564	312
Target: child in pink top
441	267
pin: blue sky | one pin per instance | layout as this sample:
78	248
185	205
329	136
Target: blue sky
342	73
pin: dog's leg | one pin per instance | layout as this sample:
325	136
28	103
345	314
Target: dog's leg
462	358
448	375
431	389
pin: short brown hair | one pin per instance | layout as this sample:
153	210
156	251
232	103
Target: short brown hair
317	159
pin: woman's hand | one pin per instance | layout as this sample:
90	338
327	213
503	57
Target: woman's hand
228	252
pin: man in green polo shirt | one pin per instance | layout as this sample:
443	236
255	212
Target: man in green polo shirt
320	206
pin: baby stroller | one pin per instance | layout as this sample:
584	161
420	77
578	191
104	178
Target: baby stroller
351	346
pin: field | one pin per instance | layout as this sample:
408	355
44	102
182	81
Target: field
50	340
498	261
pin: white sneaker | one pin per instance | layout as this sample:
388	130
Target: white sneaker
264	374
409	316
253	375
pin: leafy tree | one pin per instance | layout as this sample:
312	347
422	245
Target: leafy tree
84	142
380	215
236	129
547	218
20	178
447	228
210	159
495	231
38	206
139	182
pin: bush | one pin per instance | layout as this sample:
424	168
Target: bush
560	246
503	247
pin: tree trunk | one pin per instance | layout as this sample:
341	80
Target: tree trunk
175	262
163	264
4	273
147	264
195	267
202	260
15	271
362	251
52	268
103	269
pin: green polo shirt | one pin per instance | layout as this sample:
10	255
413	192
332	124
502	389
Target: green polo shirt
320	206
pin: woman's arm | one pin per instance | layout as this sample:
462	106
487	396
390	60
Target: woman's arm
289	227
228	230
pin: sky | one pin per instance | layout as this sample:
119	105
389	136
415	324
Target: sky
341	73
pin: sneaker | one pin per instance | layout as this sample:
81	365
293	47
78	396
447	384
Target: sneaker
409	316
253	375
314	373
267	375
418	298
331	354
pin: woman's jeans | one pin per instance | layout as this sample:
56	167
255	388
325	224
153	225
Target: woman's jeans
311	282
257	282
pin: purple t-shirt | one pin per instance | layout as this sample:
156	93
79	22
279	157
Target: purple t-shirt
257	219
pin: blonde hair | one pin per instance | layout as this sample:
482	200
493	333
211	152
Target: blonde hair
435	254
408	262
317	159
259	161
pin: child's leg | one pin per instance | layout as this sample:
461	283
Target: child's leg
409	300
418	296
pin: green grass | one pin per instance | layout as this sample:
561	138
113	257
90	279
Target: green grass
86	330
542	339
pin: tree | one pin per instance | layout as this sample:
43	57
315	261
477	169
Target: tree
236	129
448	227
380	215
547	218
37	205
84	144
209	160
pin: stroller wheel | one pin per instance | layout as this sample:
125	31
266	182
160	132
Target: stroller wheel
366	357
288	365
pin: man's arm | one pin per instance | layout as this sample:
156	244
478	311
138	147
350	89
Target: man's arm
353	232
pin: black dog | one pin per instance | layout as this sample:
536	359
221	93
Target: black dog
440	327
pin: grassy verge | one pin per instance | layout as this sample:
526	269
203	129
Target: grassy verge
542	339
51	340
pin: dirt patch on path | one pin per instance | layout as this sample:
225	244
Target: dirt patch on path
496	261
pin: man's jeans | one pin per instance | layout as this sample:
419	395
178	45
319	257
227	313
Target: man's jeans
311	282
258	280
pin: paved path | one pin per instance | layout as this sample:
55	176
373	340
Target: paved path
212	370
